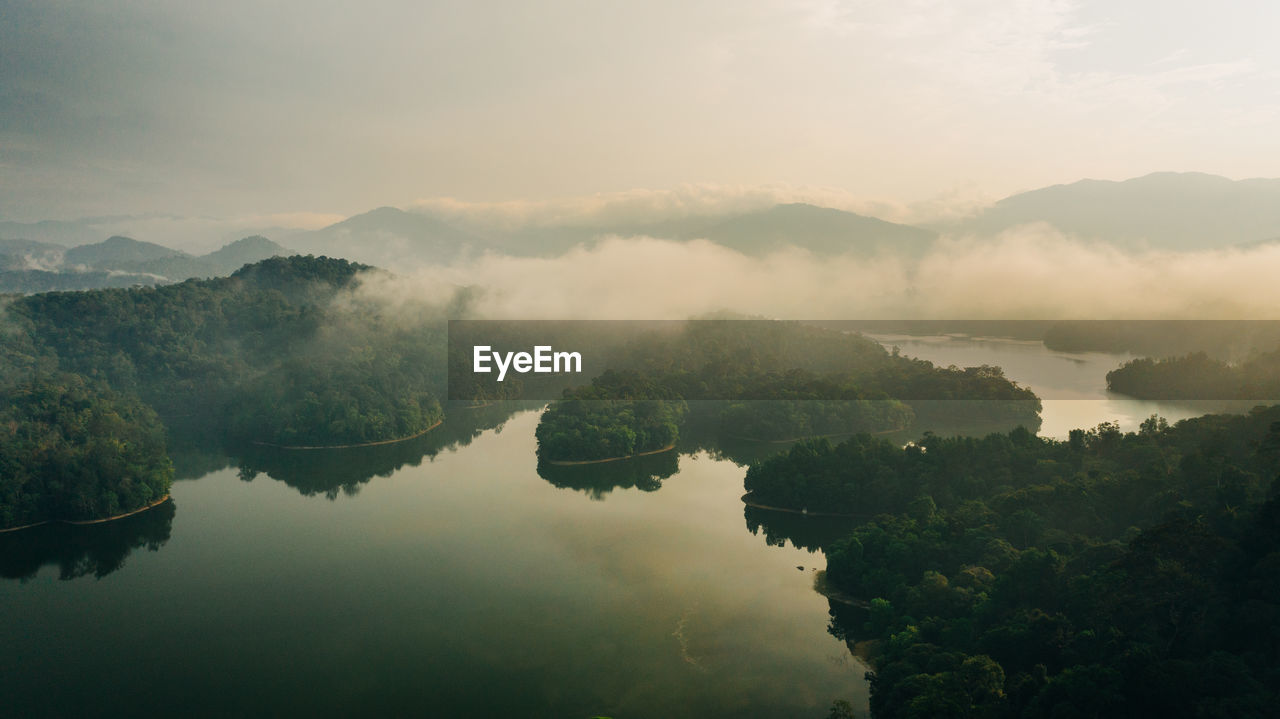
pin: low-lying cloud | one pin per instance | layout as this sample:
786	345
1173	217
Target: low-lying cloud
642	206
1032	272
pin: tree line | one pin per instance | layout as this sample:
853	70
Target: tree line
1111	574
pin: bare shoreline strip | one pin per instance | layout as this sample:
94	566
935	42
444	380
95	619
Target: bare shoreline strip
349	446
571	463
746	499
82	522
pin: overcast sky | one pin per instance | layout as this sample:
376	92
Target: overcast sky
237	108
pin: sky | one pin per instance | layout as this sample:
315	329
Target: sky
293	113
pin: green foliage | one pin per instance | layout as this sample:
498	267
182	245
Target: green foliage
1027	590
276	353
1197	376
764	381
73	450
268	354
592	429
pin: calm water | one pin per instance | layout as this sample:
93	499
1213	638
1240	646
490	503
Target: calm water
1072	386
466	586
460	583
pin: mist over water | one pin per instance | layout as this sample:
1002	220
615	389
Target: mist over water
1033	272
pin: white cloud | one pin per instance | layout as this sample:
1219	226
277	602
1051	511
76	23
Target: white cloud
1028	273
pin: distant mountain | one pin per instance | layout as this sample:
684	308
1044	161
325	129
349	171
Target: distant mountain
29	255
27	266
388	237
219	263
118	253
243	252
1169	210
67	234
555	240
821	230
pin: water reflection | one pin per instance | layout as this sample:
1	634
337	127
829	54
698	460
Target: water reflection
649	604
194	445
334	472
970	418
597	480
851	622
812	534
83	550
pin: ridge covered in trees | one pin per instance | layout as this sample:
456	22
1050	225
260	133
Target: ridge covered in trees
1198	376
766	381
1112	574
74	450
264	355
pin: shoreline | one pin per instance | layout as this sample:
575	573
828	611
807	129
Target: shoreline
746	499
823	587
346	446
85	522
577	462
816	436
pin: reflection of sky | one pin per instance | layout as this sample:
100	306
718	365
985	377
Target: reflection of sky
465	583
1071	385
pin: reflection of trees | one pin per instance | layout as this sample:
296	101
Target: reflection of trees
850	622
329	472
707	429
194	450
644	473
804	532
82	550
974	417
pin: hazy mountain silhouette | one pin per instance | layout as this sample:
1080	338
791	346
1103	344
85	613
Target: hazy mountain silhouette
29	255
27	266
821	230
245	251
388	237
218	263
58	232
118	253
1177	211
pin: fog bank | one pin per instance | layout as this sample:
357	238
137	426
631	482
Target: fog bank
1032	272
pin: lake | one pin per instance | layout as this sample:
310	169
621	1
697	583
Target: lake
1072	385
448	578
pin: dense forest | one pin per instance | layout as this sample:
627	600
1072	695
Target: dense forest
266	355
580	430
766	381
72	449
1198	376
1221	339
1112	574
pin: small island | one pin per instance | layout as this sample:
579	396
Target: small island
767	382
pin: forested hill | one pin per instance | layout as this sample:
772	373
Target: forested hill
1198	376
767	380
263	355
1111	575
